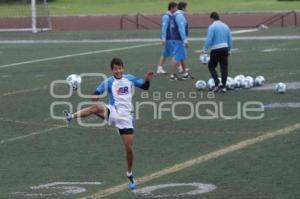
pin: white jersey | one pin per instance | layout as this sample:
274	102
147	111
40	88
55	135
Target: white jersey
120	92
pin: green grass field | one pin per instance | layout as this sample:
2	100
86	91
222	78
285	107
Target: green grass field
38	150
105	7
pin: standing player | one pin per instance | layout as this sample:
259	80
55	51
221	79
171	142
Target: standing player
219	40
119	109
165	37
179	41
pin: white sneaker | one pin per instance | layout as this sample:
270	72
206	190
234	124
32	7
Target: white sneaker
173	77
160	70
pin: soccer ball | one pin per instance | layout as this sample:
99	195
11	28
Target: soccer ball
245	83
230	83
259	80
251	81
210	83
200	84
204	59
280	87
238	80
74	81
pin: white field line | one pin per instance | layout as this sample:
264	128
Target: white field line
26	123
76	55
31	134
235	38
29	90
46	125
198	160
45	186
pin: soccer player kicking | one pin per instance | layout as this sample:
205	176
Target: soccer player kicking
119	109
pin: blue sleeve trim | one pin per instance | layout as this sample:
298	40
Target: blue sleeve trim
138	82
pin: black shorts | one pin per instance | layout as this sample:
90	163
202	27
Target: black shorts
127	131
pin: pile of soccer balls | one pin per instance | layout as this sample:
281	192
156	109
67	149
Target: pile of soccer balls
240	82
73	81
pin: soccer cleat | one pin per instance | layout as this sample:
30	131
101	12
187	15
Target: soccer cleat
67	115
219	89
173	77
216	89
160	70
187	76
223	90
131	182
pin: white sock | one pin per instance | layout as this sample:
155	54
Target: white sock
129	173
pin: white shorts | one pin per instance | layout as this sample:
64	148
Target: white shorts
120	120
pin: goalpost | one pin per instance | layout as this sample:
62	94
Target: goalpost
24	15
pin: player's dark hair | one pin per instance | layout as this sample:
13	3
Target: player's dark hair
214	16
172	5
115	61
181	5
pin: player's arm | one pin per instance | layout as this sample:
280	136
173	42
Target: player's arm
181	22
148	77
99	90
141	83
209	38
164	26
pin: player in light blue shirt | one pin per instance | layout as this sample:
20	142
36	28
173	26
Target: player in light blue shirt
219	40
165	37
179	41
118	111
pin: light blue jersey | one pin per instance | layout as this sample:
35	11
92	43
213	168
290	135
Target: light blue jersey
120	91
165	34
165	25
182	25
179	34
218	36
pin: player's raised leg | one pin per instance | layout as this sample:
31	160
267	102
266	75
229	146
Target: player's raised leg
97	109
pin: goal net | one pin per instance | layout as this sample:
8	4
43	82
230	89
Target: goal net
24	15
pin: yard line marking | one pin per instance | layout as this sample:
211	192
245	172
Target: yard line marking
44	125
64	183
287	37
198	160
25	122
76	55
79	41
29	90
245	31
31	134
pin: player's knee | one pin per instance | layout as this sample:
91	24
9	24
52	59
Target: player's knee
97	108
129	148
